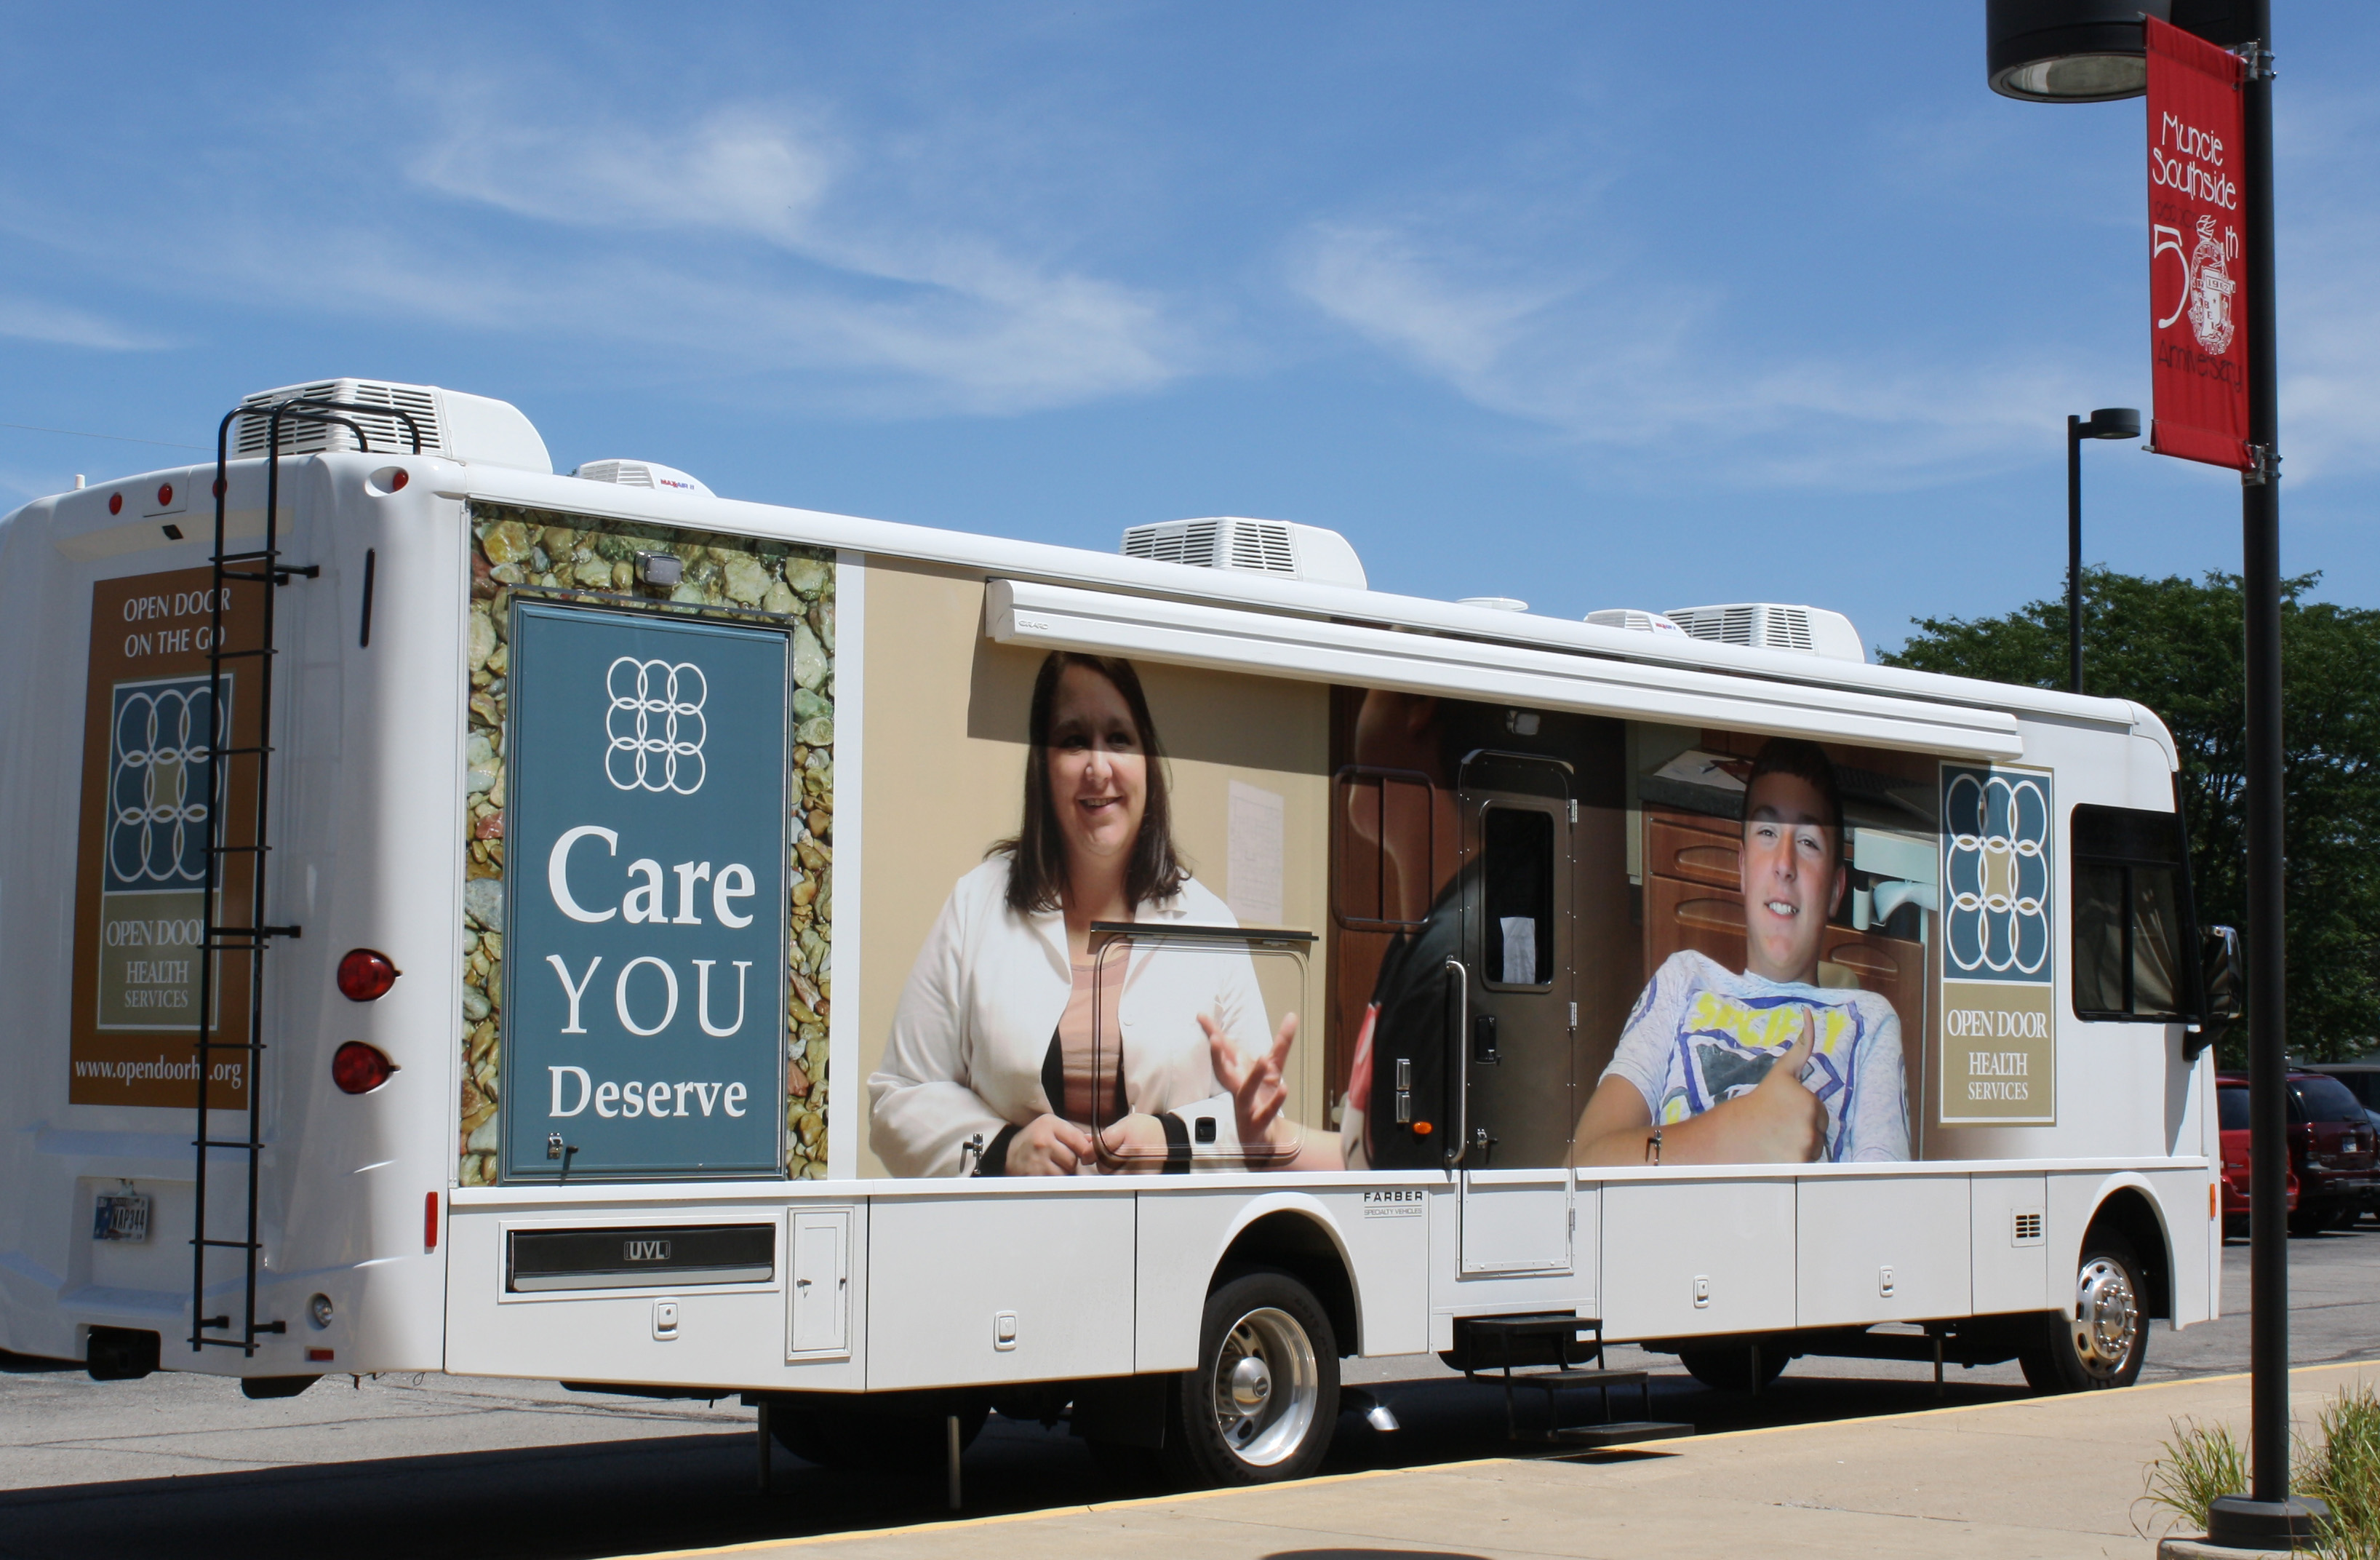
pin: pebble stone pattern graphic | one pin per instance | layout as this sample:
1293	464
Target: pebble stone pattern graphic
726	578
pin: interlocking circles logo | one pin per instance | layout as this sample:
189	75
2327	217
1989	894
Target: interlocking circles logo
1996	864
156	785
655	724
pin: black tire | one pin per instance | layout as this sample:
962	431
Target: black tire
864	1436
1728	1367
2310	1219
1264	1399
2102	1340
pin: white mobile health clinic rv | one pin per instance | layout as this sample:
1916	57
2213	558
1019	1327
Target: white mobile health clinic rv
458	917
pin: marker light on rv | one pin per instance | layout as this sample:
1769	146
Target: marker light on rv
358	1068
365	975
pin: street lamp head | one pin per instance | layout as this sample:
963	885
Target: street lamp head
2069	50
2092	51
2112	422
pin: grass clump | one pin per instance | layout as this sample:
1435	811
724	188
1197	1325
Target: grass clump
2200	1462
2340	1466
2343	1469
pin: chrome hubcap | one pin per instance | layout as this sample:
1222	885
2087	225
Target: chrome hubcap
2107	1318
1266	1387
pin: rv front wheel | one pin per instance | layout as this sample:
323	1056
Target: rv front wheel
1264	1399
2102	1339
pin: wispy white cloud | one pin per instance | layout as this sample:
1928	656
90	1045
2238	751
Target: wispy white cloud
757	234
33	320
739	170
1617	357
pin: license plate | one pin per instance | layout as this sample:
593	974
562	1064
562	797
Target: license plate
123	1216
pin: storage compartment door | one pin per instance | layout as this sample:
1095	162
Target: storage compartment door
1881	1249
819	1263
1516	1221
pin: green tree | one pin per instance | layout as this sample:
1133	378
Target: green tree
2175	646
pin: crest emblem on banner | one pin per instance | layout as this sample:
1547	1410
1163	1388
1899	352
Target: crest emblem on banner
2211	286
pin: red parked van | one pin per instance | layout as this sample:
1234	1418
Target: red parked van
2334	1151
2231	1102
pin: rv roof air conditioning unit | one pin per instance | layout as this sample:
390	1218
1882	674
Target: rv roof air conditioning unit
471	428
1282	548
643	474
1809	630
1631	618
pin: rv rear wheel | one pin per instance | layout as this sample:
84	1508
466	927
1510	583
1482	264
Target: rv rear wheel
2103	1338
1264	1398
1728	1367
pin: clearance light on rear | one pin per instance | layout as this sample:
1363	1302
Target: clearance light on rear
365	975
165	495
397	480
430	1222
115	504
358	1068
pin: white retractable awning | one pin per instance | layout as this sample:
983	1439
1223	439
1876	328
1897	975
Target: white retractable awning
1309	650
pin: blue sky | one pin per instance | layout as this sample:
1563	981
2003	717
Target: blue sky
1596	306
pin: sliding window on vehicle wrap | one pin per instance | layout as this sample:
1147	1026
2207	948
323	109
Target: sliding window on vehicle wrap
1247	994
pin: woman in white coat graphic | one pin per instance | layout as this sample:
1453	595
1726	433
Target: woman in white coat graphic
998	1064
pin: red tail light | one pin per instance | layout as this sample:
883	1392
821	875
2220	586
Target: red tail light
430	1223
366	975
358	1068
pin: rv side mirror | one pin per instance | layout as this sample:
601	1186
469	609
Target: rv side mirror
2224	983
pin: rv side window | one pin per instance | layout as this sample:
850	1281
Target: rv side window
2128	915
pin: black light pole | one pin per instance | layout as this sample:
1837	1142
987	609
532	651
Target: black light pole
2092	51
2268	1514
2108	422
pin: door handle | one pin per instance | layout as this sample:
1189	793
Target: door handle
1460	1144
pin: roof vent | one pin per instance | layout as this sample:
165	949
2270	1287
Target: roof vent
1283	547
1630	617
1494	603
1768	626
473	429
643	474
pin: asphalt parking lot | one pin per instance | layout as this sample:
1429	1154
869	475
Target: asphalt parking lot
183	1465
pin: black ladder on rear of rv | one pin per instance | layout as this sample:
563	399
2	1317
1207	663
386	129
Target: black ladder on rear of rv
246	931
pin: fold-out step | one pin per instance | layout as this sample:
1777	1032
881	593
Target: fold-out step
1624	1433
1578	1376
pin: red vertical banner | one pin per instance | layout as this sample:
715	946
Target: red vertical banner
2198	335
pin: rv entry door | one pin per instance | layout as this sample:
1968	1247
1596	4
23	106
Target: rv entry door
1517	1011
